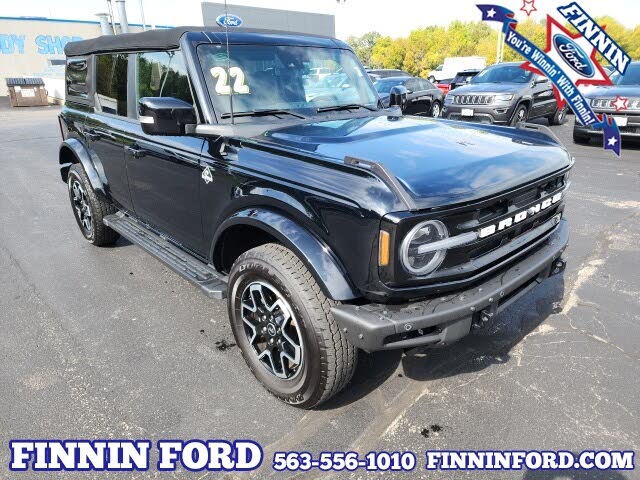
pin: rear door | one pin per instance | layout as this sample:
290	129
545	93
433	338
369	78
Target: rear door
107	126
164	171
544	101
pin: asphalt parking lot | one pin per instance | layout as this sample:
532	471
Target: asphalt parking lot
109	343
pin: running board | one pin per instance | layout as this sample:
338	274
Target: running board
204	276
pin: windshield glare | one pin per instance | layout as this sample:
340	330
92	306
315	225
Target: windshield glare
630	77
503	74
266	77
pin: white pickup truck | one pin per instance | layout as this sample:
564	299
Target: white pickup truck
453	65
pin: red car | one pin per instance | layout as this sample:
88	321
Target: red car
445	85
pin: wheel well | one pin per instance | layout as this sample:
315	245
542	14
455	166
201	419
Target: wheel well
67	158
235	241
526	103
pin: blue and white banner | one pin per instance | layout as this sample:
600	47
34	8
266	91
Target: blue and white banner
567	61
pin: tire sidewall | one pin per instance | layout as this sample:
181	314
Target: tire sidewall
306	386
439	110
76	176
514	120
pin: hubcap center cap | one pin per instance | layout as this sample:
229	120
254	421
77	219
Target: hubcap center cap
271	329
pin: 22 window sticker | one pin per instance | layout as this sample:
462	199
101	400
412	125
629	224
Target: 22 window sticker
222	85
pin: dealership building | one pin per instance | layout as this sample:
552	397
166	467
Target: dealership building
34	46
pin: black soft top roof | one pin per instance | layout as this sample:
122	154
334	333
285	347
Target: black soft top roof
169	38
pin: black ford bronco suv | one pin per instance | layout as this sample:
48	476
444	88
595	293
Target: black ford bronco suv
329	223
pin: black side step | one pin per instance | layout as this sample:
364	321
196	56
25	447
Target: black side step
205	276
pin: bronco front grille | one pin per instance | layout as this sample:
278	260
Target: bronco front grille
473	99
496	211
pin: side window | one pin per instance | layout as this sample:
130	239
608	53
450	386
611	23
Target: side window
76	77
426	85
111	84
162	74
412	85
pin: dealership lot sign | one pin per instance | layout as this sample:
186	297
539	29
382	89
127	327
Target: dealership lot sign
569	60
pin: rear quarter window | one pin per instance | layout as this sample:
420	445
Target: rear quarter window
76	74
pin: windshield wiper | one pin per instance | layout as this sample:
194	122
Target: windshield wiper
261	113
349	106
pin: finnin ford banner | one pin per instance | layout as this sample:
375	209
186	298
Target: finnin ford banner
569	60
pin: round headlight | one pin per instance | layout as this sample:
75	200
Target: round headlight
420	261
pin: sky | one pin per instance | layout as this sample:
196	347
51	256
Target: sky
353	17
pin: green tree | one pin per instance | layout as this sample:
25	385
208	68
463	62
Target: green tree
363	45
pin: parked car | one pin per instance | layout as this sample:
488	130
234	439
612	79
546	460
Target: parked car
444	85
423	98
377	74
330	228
453	65
504	94
463	78
603	100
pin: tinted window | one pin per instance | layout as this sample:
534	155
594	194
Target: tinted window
412	85
385	85
425	84
503	74
76	76
111	84
162	74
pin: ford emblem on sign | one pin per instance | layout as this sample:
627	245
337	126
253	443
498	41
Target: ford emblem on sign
229	20
573	55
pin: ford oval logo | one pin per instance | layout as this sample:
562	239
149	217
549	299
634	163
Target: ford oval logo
573	55
229	20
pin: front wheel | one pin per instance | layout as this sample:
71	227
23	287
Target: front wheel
283	324
520	115
559	117
436	110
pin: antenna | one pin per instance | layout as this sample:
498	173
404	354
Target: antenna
226	30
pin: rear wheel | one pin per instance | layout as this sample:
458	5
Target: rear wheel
559	117
520	115
283	324
88	209
436	109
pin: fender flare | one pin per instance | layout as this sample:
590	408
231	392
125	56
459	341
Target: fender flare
315	254
84	157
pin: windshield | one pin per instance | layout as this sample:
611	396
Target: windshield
385	86
503	74
277	77
631	76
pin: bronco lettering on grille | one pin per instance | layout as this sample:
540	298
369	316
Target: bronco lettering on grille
520	216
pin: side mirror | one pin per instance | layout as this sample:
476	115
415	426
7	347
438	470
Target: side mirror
540	80
398	97
165	115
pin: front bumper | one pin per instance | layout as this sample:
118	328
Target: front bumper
443	320
498	114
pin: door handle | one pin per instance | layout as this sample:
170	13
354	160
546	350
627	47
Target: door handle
135	152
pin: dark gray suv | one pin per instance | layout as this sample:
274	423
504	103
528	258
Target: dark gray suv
504	94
